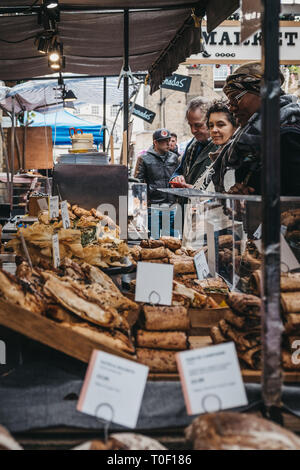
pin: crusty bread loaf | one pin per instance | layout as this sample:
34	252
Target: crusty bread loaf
157	360
166	318
238	431
176	340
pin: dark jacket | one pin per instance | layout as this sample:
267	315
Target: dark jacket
195	160
156	170
244	153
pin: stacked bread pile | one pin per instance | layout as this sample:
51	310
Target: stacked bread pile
80	298
92	238
290	310
167	250
250	262
164	333
291	220
242	326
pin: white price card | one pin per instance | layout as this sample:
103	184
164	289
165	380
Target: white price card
42	203
65	214
154	283
258	232
55	248
201	265
53	207
287	257
113	389
211	379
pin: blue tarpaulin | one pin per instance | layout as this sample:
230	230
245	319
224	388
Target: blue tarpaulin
61	122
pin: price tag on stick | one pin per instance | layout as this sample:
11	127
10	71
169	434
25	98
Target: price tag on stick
56	253
201	265
154	283
211	379
53	207
113	389
65	214
42	203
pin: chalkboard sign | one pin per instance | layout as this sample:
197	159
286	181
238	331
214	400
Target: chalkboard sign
177	82
143	113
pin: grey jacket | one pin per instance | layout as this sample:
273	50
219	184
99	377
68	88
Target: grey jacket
156	170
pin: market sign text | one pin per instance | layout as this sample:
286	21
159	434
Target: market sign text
224	45
177	82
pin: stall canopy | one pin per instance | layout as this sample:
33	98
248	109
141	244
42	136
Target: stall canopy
44	96
162	34
61	122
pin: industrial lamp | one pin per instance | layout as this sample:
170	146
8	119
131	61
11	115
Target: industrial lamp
69	96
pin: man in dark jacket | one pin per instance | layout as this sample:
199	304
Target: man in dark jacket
195	159
156	169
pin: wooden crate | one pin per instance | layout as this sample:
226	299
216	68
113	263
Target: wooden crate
55	335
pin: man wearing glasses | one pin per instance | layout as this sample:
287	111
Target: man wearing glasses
243	154
195	158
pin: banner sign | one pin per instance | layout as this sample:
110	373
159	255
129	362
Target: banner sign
177	82
224	45
143	113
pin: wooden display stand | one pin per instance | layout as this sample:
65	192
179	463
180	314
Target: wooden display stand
35	152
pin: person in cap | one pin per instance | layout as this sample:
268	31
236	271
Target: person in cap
155	169
243	154
195	159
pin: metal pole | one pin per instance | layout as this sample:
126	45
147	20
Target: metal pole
104	114
126	78
271	322
12	142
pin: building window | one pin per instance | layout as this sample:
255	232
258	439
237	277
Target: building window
220	74
114	110
95	110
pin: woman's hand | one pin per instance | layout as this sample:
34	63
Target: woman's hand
179	182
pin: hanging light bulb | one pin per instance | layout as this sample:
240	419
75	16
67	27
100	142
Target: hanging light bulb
56	52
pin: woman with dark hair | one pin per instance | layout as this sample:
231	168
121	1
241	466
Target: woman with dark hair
221	125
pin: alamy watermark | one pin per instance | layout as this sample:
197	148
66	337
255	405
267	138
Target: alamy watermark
2	353
160	218
296	354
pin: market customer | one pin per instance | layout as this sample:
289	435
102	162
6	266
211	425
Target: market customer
173	144
155	169
195	158
221	125
244	153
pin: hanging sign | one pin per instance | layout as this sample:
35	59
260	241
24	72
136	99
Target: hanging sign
56	253
177	82
224	45
65	214
143	113
154	283
211	379
113	389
